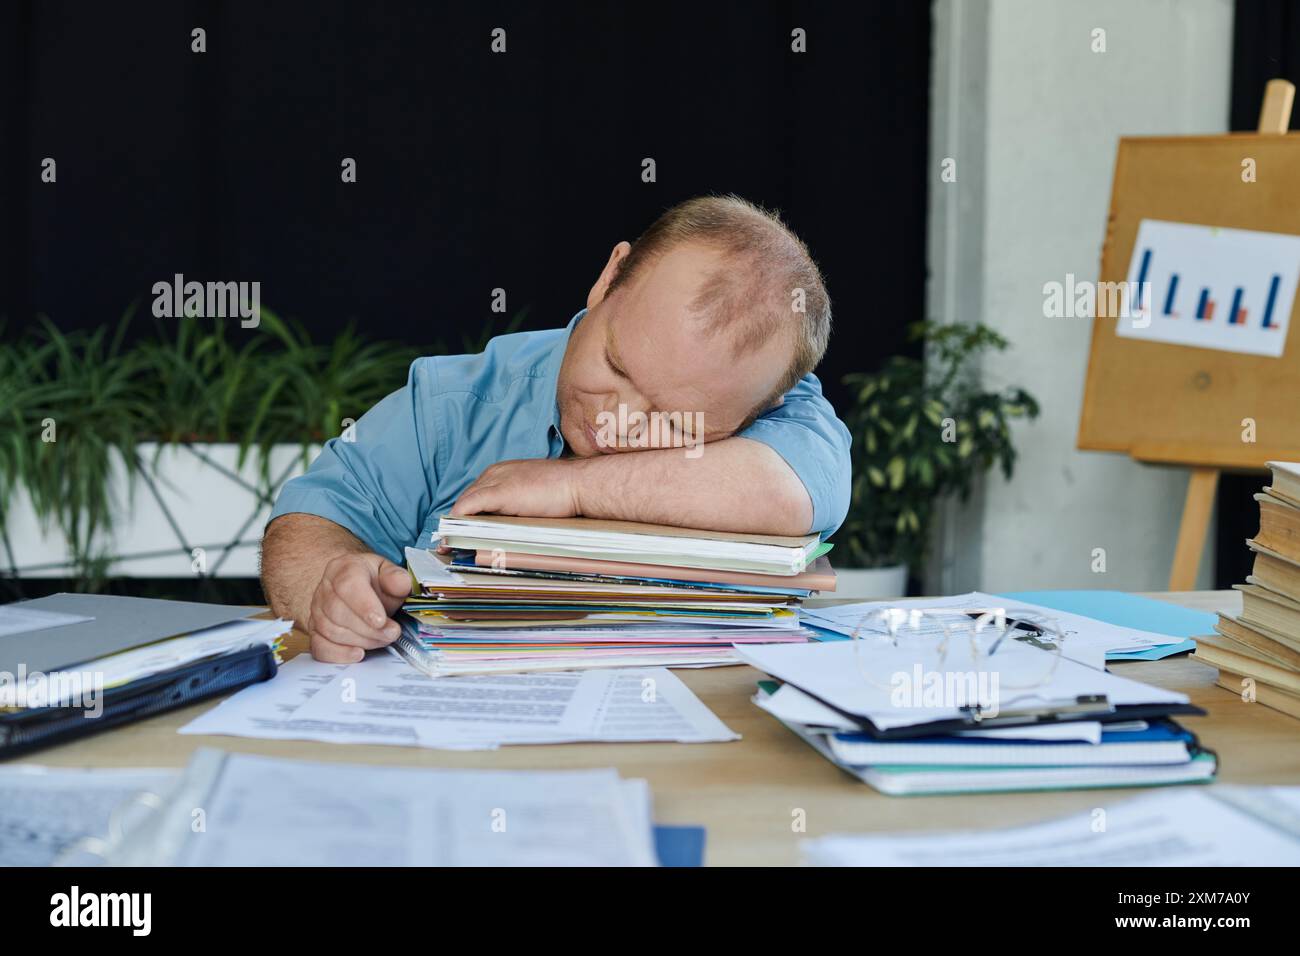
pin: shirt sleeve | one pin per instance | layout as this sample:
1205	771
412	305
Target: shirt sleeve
806	433
379	486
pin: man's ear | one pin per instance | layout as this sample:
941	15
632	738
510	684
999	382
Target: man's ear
597	293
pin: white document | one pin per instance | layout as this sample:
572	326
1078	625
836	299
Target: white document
428	569
1084	731
264	811
44	812
385	700
837	672
791	705
268	711
1084	637
1225	289
555	707
19	620
1213	826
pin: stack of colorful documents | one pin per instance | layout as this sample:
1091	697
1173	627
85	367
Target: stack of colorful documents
527	594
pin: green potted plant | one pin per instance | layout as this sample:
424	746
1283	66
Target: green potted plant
922	429
105	447
112	454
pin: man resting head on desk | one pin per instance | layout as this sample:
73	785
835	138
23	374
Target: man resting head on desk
714	318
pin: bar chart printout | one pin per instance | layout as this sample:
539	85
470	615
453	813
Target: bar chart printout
1226	289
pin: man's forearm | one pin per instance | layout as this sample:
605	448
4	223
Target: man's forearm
295	550
734	485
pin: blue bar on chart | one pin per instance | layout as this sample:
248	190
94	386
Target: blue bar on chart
1203	305
1169	296
1236	315
1268	305
1142	276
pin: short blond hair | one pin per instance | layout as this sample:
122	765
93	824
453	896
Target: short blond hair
769	284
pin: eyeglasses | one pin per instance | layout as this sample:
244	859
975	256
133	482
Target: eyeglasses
1011	648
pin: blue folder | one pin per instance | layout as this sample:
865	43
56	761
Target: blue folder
1129	610
679	846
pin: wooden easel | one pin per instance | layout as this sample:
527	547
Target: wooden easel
1185	179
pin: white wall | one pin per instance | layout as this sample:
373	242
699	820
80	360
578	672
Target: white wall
1032	116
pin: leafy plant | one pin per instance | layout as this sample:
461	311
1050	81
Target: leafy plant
923	429
70	401
190	382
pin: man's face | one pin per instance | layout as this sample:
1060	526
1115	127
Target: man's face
641	348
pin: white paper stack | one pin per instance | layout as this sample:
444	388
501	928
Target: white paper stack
264	811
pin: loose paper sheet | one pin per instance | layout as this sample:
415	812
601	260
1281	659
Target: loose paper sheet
1172	828
270	811
1086	639
385	700
44	812
267	710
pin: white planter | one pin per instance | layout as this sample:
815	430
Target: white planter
869	584
193	511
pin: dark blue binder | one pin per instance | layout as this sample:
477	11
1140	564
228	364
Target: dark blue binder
22	731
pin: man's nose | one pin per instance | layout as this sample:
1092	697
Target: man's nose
623	409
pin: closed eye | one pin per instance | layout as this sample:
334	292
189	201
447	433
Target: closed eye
609	360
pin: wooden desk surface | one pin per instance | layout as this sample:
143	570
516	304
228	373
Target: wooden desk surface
748	792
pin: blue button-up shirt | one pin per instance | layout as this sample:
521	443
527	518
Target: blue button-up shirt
411	456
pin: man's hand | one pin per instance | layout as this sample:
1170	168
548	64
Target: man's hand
350	611
536	488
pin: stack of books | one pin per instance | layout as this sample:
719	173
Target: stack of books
1259	651
529	594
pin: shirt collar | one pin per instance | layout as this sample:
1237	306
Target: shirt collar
551	375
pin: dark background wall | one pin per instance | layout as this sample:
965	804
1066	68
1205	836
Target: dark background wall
475	170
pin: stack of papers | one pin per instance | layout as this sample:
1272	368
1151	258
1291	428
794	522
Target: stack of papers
550	595
382	700
1220	826
631	541
263	811
1081	727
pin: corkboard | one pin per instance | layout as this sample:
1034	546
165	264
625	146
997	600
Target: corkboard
1175	403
